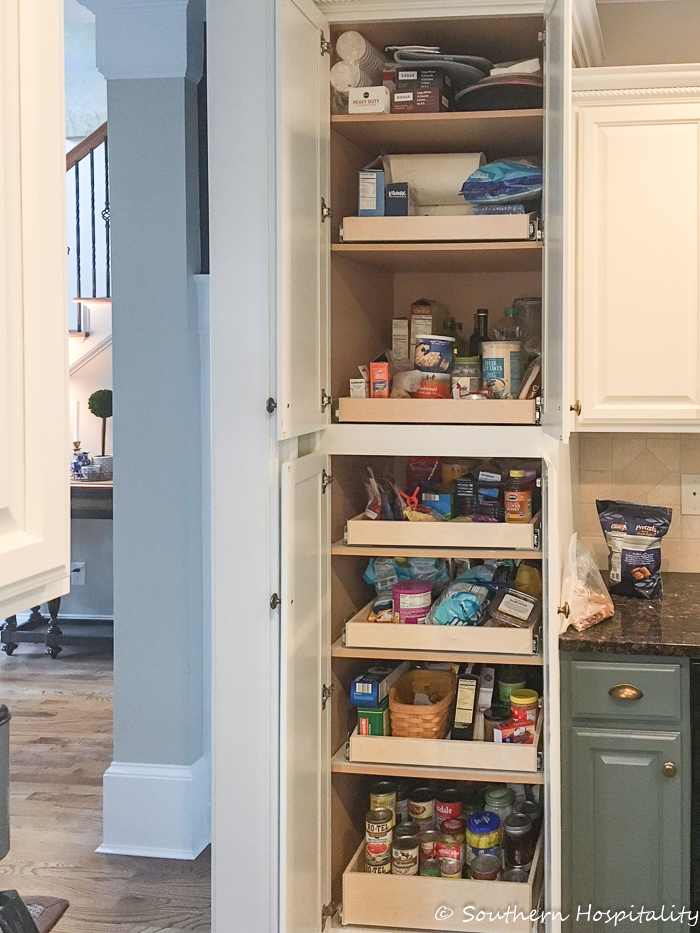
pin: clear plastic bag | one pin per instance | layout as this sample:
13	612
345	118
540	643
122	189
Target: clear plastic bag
584	591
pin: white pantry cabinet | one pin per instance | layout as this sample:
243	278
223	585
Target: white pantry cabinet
334	303
638	248
34	454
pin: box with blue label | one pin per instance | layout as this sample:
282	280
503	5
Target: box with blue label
397	200
369	689
370	195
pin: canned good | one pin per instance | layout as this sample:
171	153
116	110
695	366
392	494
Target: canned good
448	805
421	804
379	822
466	376
378	849
430	867
450	868
384	869
434	385
451	844
518	875
485	868
382	796
405	855
500	361
409	828
428	841
412	601
434	353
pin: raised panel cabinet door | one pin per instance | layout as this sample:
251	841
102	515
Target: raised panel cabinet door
34	449
638	263
304	723
557	212
303	243
627	822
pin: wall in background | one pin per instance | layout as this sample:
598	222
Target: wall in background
656	33
86	89
640	468
91	544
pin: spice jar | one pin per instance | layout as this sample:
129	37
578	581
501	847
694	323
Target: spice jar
509	680
518	841
498	715
523	703
485	868
499	800
404	855
451	844
483	836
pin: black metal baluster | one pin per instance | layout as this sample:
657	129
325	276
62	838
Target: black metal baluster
77	242
92	222
105	217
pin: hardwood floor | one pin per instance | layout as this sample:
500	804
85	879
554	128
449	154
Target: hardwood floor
61	744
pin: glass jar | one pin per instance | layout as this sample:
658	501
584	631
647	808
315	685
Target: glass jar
499	800
531	809
430	867
524	705
518	841
466	376
518	498
428	842
510	679
498	715
483	836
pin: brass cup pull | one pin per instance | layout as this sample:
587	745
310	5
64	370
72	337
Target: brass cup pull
625	692
564	610
576	407
669	770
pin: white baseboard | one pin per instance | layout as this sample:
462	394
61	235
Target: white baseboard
157	811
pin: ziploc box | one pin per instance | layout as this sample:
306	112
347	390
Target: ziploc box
370	196
375	721
371	688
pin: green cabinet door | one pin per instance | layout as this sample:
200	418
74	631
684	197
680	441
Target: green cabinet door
626	822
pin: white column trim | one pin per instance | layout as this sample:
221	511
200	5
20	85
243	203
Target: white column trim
157	811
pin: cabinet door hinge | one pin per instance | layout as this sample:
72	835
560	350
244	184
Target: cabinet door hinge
538	411
327	694
326	400
542	37
326	47
275	601
537	538
326	480
540	760
325	210
327	912
535	642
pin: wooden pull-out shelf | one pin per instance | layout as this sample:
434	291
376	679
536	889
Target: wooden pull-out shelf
484	639
515	256
412	901
448	228
453	534
437	411
446	753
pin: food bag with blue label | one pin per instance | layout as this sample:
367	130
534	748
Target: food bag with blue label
633	534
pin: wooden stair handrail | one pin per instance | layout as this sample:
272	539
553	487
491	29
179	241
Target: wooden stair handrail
86	146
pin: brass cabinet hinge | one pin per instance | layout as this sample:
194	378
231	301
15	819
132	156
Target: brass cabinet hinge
326	480
326	47
327	694
326	211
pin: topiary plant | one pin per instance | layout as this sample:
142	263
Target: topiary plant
100	404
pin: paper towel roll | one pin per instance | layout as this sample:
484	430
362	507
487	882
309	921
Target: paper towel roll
434	179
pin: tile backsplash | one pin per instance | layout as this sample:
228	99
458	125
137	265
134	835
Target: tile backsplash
640	468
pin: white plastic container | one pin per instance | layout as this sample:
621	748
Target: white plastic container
500	366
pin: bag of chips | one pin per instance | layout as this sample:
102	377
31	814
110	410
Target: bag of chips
633	534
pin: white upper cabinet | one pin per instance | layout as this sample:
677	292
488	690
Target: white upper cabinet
34	449
557	216
303	235
637	257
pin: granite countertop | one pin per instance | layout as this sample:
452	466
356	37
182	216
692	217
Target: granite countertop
667	626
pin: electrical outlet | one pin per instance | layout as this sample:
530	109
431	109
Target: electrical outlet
690	495
77	574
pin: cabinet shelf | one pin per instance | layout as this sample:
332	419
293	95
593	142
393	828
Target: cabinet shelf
497	133
436	411
341	549
340	765
518	256
444	535
339	650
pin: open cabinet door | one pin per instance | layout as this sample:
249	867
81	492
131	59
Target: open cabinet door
558	206
304	231
558	524
34	450
305	668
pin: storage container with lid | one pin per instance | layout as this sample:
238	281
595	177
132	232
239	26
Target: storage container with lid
518	841
499	800
524	705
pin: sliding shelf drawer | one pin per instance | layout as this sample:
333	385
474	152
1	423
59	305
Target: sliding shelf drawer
443	534
424	903
486	639
448	228
445	753
437	411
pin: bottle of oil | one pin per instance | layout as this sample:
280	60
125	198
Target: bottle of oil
450	328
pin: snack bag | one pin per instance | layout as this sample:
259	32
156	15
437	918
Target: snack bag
584	590
633	534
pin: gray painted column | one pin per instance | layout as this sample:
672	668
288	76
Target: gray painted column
156	791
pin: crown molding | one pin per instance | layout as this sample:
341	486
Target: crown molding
348	11
149	38
587	39
636	77
637	94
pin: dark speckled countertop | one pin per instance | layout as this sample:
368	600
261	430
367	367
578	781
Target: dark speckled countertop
667	626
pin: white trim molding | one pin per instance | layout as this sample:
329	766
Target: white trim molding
588	46
636	77
157	811
637	95
348	11
90	355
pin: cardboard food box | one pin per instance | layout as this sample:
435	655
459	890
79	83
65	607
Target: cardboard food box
397	200
379	380
369	100
408	79
424	320
400	338
374	721
370	689
420	100
370	193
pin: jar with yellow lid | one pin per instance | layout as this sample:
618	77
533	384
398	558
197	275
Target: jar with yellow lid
524	703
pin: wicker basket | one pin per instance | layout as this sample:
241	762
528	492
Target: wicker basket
422	722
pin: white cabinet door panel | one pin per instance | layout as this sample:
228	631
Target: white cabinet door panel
34	450
638	275
304	752
303	239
